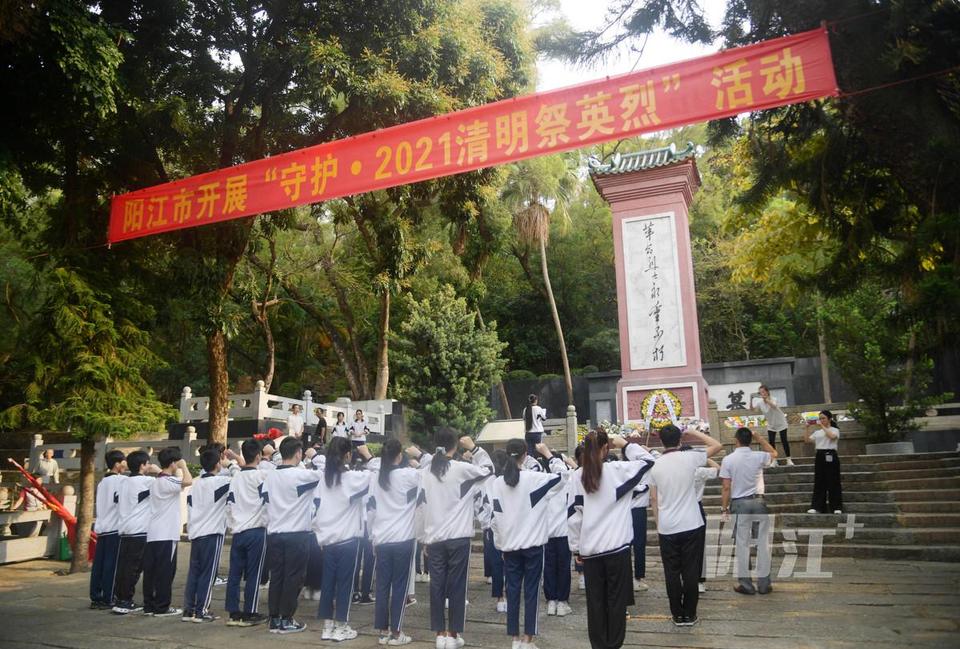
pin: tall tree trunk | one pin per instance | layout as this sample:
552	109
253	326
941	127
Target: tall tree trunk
500	389
219	386
556	321
88	468
911	356
383	351
824	361
264	320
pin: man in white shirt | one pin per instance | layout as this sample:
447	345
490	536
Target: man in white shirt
679	520
739	472
295	423
47	468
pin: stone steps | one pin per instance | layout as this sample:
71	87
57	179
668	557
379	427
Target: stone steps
802	498
945	506
859	482
771	477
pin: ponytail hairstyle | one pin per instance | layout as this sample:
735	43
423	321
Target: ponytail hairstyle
595	447
390	451
499	459
528	412
446	442
337	452
829	415
516	449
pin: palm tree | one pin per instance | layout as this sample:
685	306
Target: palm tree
535	191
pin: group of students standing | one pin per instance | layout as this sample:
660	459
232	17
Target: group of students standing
538	510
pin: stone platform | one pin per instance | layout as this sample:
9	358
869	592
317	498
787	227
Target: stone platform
867	602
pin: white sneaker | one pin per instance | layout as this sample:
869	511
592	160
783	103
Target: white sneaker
454	643
327	633
489	580
401	639
516	644
528	645
583	583
701	587
502	606
811	511
441	642
344	632
382	640
640	584
426	578
837	511
306	593
790	462
316	596
551	607
563	609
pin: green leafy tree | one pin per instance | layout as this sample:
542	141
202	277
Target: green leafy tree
446	363
86	375
871	349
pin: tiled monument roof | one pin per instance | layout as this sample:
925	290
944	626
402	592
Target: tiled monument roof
626	162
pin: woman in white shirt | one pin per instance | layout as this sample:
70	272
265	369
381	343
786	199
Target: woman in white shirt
533	418
520	502
338	526
776	421
601	532
394	496
827	494
358	430
449	489
340	428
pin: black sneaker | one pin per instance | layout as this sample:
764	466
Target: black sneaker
253	619
201	618
275	623
356	598
677	620
291	626
187	616
366	599
100	606
169	612
236	619
689	621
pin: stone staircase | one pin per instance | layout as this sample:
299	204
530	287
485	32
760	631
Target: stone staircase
909	506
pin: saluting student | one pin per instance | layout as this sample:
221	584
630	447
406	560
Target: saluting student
449	489
163	533
492	557
556	555
288	492
519	500
601	532
340	499
134	512
206	526
107	526
247	518
679	521
394	496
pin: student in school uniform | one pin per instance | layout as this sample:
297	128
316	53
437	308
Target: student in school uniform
163	533
107	526
601	532
247	519
340	499
133	509
493	558
394	497
340	429
359	429
520	502
827	492
533	418
556	555
673	478
449	489
288	493
206	527
739	471
703	474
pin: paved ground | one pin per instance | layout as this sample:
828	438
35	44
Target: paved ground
880	604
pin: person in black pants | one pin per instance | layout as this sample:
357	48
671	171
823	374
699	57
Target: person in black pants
827	492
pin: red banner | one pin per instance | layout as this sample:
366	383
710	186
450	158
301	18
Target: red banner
764	75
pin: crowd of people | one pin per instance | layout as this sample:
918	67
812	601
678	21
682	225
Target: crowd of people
315	518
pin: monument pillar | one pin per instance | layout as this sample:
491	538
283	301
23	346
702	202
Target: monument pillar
649	193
